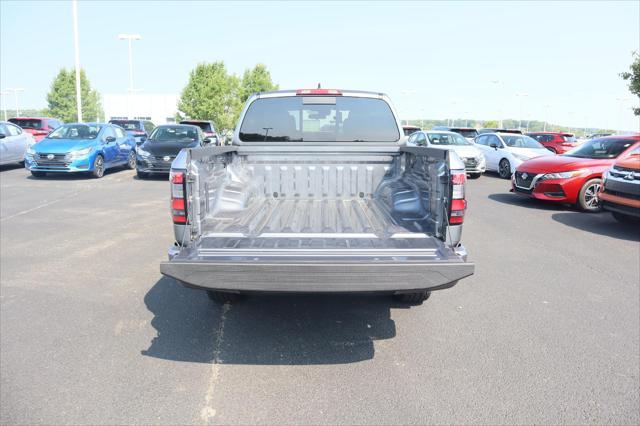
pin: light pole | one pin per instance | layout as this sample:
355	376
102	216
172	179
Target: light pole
498	83
130	38
521	96
4	106
546	116
15	91
76	46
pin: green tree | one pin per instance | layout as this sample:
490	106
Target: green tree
490	124
633	77
62	97
211	94
255	80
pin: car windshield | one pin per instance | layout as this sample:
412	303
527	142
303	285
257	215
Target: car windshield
447	139
600	148
127	124
76	131
319	119
206	127
184	134
27	123
521	141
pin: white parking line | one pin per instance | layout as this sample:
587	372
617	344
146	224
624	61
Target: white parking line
208	412
38	207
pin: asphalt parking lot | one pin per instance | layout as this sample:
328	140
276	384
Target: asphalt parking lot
546	331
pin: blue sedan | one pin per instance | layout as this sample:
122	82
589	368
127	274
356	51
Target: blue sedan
82	147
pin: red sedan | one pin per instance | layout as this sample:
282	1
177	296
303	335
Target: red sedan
556	142
573	177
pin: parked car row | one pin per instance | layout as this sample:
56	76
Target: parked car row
594	174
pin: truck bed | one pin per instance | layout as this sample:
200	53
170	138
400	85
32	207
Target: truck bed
318	222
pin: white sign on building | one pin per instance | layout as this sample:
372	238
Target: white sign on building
159	108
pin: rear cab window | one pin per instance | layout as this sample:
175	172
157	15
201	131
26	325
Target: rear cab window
319	119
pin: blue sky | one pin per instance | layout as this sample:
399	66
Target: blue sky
435	60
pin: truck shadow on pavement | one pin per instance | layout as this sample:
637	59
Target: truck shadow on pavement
277	329
600	223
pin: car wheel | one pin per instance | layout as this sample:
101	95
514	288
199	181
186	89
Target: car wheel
38	174
141	175
625	218
415	298
131	161
98	167
474	175
504	169
223	296
588	196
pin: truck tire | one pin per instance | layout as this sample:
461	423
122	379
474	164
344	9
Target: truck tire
413	298
223	296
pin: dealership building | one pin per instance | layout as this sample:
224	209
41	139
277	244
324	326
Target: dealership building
159	108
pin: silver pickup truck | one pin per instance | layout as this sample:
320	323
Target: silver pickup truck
318	193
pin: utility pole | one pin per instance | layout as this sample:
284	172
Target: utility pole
15	91
76	45
130	38
4	106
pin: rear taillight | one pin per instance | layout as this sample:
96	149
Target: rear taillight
458	203
178	198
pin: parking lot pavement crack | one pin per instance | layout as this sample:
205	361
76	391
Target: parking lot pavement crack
208	412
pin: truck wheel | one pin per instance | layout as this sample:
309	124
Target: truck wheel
625	218
38	174
223	296
588	196
413	298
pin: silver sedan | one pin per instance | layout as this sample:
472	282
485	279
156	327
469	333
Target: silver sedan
14	142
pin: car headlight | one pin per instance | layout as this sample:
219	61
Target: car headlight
141	152
563	175
79	153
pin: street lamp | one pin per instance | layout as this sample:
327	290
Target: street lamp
76	48
15	96
130	38
498	83
521	95
4	106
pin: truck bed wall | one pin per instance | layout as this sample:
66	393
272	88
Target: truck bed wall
256	191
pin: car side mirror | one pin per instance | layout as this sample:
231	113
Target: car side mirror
143	138
110	139
494	145
2	136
